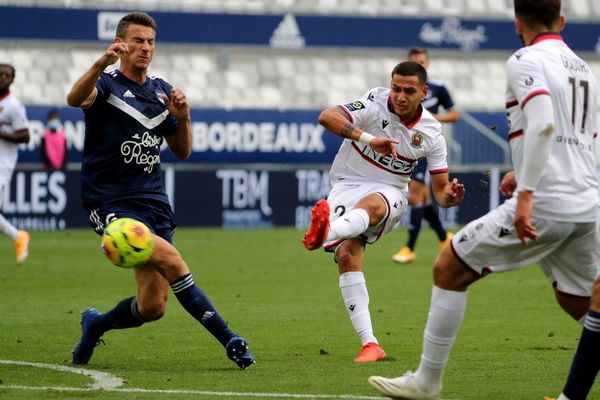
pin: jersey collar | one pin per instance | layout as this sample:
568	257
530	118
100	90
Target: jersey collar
545	36
412	121
5	95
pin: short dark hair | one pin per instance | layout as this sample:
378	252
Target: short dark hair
135	18
417	50
12	69
411	68
538	12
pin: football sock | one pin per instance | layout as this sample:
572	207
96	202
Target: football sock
199	306
8	228
416	215
124	315
349	225
445	317
586	362
356	299
432	216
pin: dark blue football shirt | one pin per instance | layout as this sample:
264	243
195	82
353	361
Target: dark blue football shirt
437	96
124	129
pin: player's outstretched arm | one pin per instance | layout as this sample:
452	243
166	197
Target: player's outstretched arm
447	194
336	121
83	92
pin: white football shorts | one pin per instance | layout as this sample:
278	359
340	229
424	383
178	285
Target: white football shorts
345	194
565	251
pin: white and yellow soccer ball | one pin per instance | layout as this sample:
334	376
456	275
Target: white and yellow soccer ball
127	242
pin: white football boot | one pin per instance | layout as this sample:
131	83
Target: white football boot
404	387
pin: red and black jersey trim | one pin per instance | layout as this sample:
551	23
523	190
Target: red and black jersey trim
512	103
347	112
370	160
532	95
412	121
438	171
545	36
515	134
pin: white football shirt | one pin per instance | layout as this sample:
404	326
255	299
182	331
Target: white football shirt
420	137
567	190
12	118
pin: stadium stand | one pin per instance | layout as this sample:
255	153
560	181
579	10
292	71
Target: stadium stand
260	78
265	78
494	9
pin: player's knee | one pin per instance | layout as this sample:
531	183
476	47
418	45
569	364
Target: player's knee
595	300
450	274
171	264
152	311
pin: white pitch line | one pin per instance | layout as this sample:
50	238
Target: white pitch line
111	383
198	393
100	380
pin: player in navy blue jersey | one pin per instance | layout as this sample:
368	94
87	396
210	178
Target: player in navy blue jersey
128	114
419	195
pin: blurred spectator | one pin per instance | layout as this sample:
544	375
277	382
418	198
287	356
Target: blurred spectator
54	143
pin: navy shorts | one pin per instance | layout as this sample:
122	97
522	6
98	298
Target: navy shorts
420	171
157	215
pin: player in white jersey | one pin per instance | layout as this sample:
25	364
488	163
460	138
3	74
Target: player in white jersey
586	362
551	218
14	129
386	132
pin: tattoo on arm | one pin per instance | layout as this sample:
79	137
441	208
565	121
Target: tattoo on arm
347	131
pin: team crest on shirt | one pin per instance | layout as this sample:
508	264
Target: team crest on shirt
416	139
160	95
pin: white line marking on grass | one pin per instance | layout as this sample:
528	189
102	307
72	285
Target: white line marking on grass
198	393
100	380
111	383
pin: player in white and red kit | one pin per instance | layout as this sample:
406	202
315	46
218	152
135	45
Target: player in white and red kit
386	132
550	220
14	129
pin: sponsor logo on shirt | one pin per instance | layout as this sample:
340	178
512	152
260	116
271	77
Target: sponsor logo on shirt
142	150
354	106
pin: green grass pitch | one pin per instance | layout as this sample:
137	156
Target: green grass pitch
515	342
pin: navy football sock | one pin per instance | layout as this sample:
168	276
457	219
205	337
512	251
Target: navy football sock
199	306
586	362
430	213
416	215
123	315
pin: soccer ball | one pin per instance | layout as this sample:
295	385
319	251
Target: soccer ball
127	242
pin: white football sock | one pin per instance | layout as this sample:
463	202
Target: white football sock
562	397
445	317
349	225
8	228
356	299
